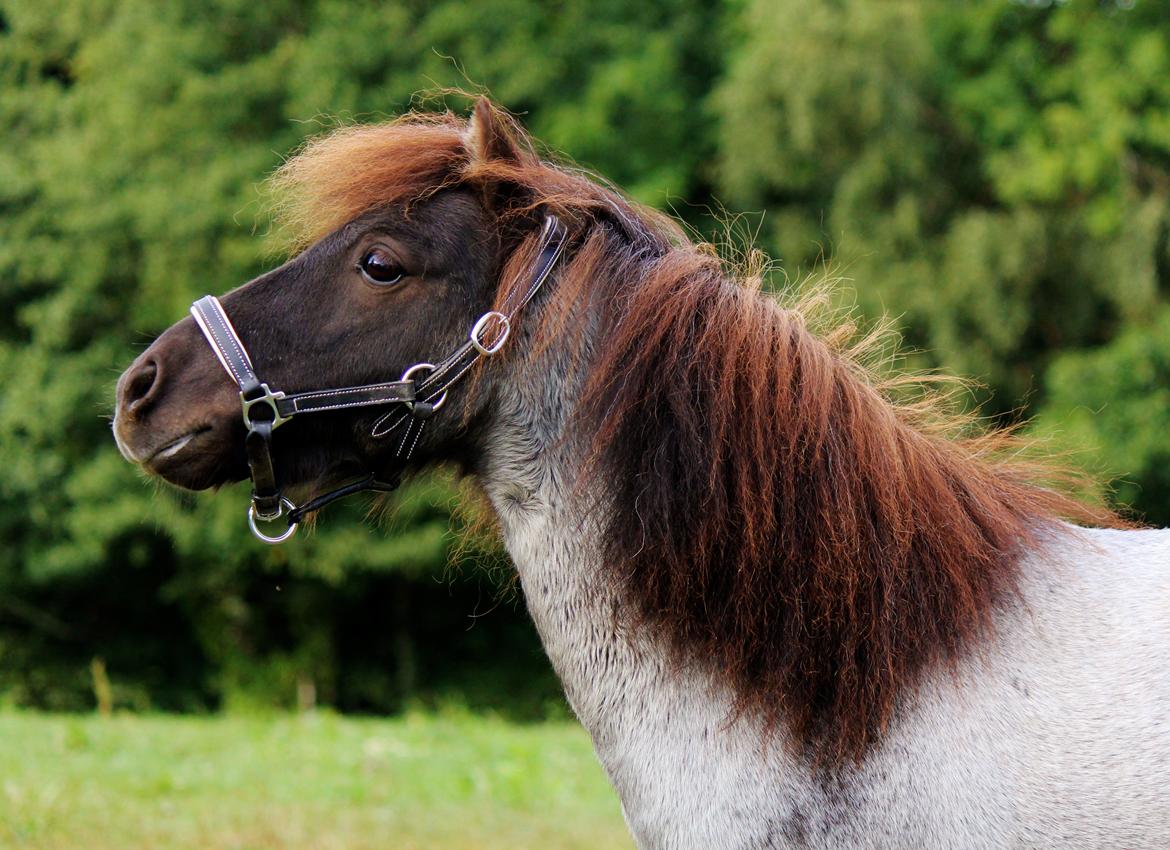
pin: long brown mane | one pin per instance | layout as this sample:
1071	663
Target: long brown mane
770	508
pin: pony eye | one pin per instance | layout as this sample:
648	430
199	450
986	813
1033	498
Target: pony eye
379	267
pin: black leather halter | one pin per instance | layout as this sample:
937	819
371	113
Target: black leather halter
421	390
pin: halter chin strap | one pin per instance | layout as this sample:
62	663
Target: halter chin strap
422	390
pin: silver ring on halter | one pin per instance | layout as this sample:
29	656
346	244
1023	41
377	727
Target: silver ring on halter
409	373
504	328
285	505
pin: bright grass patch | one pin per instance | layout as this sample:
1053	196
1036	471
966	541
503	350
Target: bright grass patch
320	781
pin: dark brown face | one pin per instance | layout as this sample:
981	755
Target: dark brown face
384	292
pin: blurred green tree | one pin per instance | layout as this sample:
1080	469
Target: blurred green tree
1111	405
995	174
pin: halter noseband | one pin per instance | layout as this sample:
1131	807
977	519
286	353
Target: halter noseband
422	389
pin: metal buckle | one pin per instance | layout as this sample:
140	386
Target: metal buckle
285	505
269	398
409	375
505	328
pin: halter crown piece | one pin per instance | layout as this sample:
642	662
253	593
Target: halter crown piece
421	390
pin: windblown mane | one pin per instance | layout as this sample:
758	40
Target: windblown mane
770	508
775	511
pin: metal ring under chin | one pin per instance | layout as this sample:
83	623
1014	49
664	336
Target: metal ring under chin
285	506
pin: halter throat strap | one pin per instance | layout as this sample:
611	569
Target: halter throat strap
421	390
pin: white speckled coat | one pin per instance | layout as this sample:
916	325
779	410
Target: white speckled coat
1056	735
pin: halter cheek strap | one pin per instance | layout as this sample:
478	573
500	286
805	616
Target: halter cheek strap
422	389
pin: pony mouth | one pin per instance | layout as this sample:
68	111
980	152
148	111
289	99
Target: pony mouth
169	450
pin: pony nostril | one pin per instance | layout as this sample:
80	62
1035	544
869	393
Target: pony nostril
140	386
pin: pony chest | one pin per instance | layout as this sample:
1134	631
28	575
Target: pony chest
686	778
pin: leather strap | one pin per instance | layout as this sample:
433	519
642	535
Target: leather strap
265	492
363	396
213	321
225	342
370	482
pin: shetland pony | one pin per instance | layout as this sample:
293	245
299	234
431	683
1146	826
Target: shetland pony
790	611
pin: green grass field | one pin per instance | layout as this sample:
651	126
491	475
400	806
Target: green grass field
316	781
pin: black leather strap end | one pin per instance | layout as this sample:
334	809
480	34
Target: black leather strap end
265	494
368	483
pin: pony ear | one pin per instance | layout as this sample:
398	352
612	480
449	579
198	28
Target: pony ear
490	135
